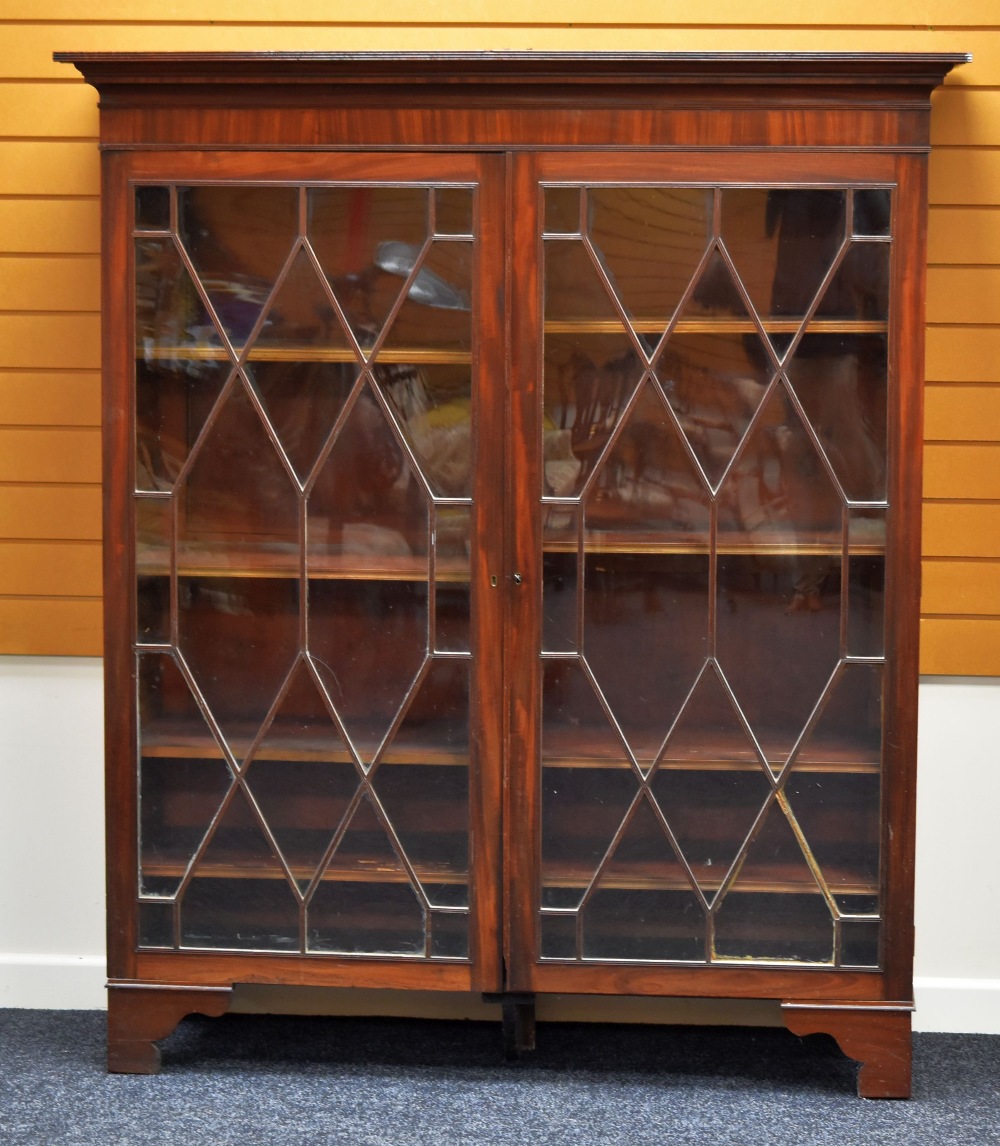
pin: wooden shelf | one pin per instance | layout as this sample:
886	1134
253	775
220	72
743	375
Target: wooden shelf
581	747
406	356
710	324
182	739
231	561
739	545
361	870
774	878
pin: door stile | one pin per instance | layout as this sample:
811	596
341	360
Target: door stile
522	580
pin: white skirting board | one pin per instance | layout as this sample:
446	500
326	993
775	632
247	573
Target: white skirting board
966	1006
53	982
51	845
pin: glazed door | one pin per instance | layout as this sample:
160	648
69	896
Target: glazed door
700	644
315	764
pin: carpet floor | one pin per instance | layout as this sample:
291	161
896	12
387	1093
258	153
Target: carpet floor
252	1079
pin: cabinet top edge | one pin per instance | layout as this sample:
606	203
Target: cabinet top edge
495	67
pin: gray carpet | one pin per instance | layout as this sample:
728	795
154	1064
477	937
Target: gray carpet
251	1079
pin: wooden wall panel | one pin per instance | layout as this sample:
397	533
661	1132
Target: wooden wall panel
961	529
53	399
962	413
50	568
49	240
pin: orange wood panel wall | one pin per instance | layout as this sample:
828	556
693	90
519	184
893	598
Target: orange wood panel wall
49	257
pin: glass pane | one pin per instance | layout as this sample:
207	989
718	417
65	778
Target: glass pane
428	807
860	285
562	210
172	404
365	902
152	208
453	211
302	321
650	241
559	601
432	405
635	923
238	238
872	211
715	383
859	943
866	587
449	935
302	776
645	483
183	776
589	382
452	573
558	938
645	640
839	815
239	896
173	325
153	535
582	809
710	814
302	401
848	732
774	909
367	240
783	242
368	640
841	381
156	924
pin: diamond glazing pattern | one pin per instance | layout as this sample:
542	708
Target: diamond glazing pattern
715	372
303	436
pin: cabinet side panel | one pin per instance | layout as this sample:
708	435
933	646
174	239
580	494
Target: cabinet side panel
119	670
903	574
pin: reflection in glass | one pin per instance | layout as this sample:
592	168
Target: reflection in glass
173	325
783	242
710	813
633	923
301	318
347	226
715	383
589	382
859	942
582	809
452	572
432	406
558	936
453	211
645	482
172	404
650	241
378	913
153	536
238	896
152	208
302	401
644	638
238	238
866	587
859	288
156	924
774	908
840	379
562	210
872	211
